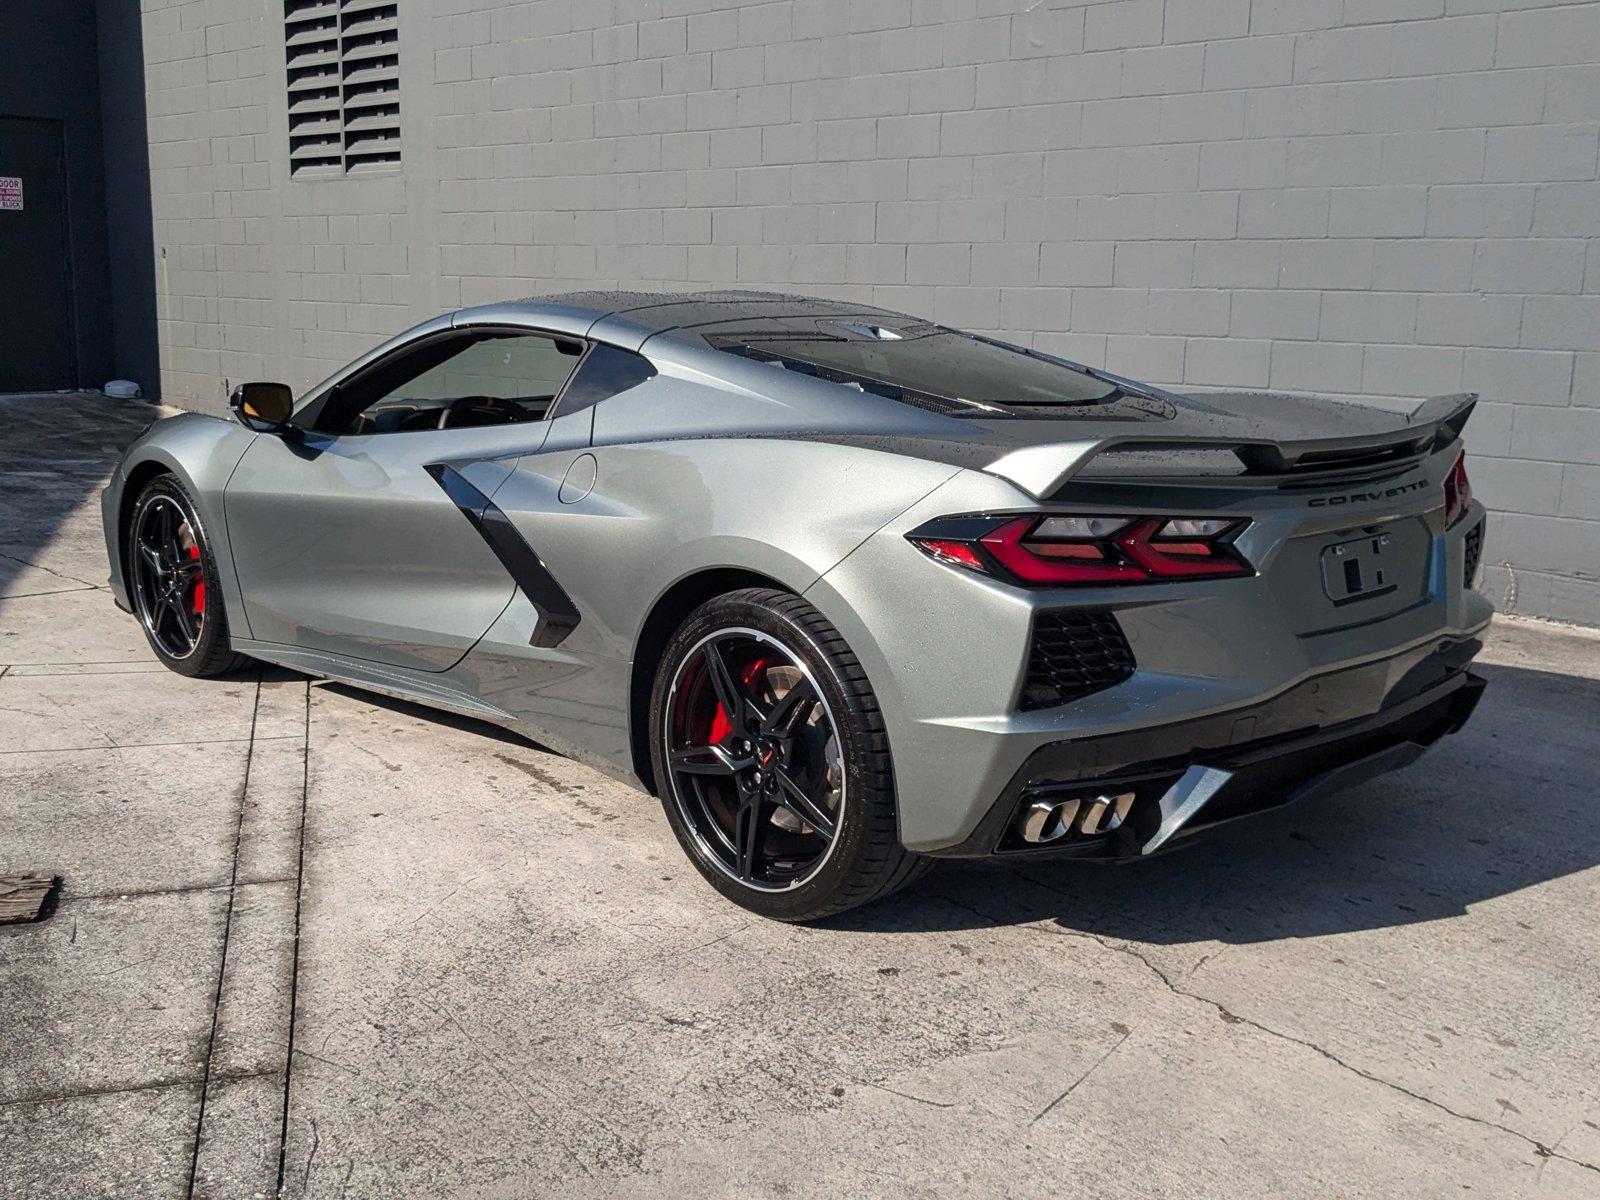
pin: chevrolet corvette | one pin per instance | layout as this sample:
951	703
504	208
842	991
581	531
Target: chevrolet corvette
848	591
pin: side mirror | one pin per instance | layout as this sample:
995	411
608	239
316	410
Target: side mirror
264	407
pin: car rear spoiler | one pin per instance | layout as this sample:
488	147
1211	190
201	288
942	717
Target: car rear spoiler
1435	423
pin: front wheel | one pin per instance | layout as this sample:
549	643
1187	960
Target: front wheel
173	582
771	759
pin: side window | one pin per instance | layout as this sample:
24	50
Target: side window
604	372
455	382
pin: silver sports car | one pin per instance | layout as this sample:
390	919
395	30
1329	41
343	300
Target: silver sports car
848	590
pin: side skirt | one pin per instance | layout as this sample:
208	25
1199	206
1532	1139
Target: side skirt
419	688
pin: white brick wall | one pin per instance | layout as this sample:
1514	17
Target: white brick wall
1365	197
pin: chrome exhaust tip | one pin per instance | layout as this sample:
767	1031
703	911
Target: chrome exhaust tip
1046	821
1104	814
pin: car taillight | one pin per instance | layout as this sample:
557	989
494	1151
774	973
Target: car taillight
1457	492
1077	551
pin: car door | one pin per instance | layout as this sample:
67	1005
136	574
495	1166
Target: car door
345	541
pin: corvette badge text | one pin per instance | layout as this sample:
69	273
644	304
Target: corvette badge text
1359	497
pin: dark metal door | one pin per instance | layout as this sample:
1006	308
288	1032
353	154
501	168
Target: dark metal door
36	335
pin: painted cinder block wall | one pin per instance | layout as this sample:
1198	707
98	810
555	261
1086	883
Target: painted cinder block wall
1355	197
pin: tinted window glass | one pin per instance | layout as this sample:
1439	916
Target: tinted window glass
932	361
604	372
466	381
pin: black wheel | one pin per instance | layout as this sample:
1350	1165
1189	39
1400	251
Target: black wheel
172	580
771	759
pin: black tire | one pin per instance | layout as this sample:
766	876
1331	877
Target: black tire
865	860
212	652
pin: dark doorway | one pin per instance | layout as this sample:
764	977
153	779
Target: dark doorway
36	339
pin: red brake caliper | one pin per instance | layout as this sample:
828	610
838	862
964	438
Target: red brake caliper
720	727
198	600
721	724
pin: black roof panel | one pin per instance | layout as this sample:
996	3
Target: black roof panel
662	311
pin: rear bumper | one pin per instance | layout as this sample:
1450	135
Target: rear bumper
948	651
1330	731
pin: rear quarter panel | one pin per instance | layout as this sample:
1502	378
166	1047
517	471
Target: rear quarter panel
663	511
657	514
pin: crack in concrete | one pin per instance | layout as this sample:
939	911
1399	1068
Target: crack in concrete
111	742
227	937
828	1066
305	1179
51	571
442	901
88	587
119	970
90	662
1540	1148
276	737
1232	1018
192	889
1073	1086
906	1095
151	668
294	969
329	1062
716	941
663	960
153	1085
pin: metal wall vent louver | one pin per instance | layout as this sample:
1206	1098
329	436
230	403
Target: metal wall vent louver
343	59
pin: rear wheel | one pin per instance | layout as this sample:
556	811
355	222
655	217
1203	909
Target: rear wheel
772	761
173	582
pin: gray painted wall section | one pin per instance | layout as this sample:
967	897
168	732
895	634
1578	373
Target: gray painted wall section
1356	197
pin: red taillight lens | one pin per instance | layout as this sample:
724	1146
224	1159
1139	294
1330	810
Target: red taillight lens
1045	562
1457	492
1086	551
957	554
1209	559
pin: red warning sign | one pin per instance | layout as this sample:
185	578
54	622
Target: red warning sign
10	193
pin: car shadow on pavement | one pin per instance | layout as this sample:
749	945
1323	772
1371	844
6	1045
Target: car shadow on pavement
436	716
1505	804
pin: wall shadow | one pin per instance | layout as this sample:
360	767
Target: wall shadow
1507	804
55	450
130	228
55	453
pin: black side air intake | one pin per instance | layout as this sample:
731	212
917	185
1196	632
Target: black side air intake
558	616
1075	653
1473	547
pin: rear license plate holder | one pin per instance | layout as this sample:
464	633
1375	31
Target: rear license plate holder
1362	568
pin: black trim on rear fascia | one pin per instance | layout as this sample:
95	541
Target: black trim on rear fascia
558	616
1318	710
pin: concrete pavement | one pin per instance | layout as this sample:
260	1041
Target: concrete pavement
325	940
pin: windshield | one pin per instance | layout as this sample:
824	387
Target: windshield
930	360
